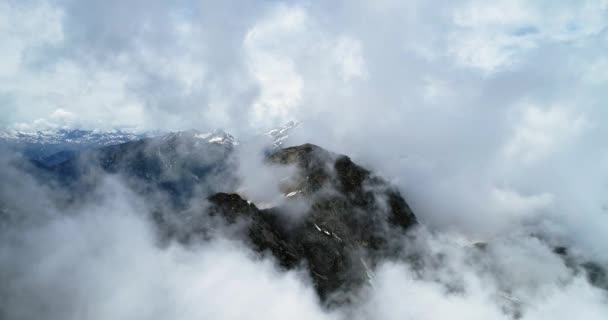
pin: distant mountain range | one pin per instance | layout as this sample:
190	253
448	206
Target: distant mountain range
40	145
69	137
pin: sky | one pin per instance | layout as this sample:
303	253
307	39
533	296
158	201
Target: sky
490	116
245	65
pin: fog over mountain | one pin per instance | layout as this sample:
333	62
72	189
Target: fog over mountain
303	159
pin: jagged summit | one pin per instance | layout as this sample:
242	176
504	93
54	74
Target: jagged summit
350	218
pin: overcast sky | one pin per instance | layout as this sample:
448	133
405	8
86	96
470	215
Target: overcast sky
245	65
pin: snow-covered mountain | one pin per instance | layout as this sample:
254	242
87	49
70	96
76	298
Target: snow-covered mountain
278	135
69	137
39	145
47	145
217	136
79	138
94	138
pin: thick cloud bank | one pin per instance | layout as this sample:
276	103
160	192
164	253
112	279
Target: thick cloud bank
489	116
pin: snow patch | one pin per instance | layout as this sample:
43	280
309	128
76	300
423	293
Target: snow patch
203	136
291	194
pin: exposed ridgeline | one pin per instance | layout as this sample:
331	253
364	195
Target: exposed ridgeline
350	218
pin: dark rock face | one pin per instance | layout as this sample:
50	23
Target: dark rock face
596	275
348	225
263	229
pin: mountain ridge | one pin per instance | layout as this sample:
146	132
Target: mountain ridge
347	215
337	221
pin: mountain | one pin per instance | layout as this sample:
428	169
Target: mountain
337	221
346	214
348	218
67	137
51	147
178	164
279	134
39	145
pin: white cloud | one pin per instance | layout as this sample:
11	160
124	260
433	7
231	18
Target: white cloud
496	35
399	295
597	72
542	131
292	60
588	304
437	92
349	56
104	262
24	28
511	202
270	45
99	98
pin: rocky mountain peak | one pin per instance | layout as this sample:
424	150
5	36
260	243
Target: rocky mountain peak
337	220
350	219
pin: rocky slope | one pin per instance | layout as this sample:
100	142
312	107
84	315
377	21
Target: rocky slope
348	221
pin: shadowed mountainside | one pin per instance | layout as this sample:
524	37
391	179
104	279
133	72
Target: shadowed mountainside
349	220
